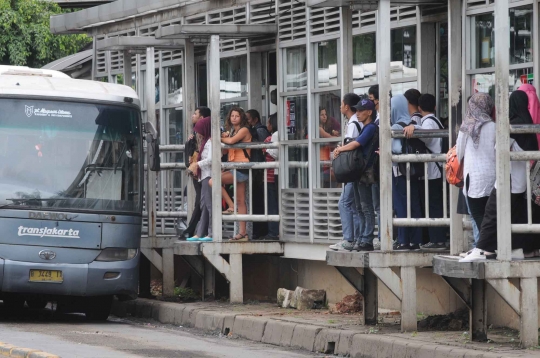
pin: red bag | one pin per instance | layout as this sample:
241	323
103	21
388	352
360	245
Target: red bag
454	169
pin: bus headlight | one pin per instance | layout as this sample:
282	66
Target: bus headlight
114	254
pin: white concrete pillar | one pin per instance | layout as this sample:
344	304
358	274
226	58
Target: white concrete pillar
128	81
168	271
189	90
502	63
236	286
150	93
214	104
383	77
529	312
458	242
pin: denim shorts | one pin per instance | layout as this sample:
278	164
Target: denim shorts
242	175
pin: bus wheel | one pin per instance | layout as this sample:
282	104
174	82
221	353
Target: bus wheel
98	308
36	304
13	302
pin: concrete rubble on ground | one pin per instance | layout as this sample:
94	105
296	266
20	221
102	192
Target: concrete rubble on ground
303	334
301	298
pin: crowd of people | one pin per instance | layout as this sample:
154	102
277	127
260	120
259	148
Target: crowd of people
240	127
411	112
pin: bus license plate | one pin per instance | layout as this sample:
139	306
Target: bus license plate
46	276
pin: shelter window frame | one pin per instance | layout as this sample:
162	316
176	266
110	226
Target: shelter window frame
474	71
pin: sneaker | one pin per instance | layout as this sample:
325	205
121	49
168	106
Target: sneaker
478	255
518	254
529	254
342	246
414	247
401	247
356	246
433	246
206	238
364	246
464	254
270	238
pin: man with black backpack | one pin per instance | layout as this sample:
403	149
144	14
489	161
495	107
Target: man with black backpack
259	133
434	180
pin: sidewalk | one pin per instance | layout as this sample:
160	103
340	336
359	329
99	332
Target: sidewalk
323	332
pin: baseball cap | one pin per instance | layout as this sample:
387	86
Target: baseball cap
364	105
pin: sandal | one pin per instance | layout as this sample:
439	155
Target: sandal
239	238
229	211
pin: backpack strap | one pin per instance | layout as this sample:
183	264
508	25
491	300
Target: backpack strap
436	120
358	128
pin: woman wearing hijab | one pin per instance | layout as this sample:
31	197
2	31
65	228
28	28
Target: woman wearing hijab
204	172
476	146
487	244
409	238
534	105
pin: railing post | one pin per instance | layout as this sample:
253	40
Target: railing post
383	77
457	239
214	104
188	91
502	46
150	93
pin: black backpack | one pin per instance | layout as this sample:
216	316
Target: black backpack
190	149
257	155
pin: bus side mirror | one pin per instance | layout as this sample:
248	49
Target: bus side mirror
152	139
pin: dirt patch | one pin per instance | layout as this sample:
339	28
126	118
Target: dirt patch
349	304
454	321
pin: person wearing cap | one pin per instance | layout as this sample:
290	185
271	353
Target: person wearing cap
366	114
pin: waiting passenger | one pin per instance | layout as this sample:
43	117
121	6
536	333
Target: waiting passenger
486	246
409	238
272	178
350	219
329	127
534	104
434	180
368	140
204	172
373	95
236	125
476	150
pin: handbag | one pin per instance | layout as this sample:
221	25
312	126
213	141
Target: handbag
349	166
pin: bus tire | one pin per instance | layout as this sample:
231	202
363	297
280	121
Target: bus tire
36	304
13	302
98	308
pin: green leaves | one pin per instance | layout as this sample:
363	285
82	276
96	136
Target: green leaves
25	38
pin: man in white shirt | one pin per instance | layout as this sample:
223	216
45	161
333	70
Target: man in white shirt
350	218
434	181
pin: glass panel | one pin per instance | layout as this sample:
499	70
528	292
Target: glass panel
233	75
326	178
329	115
403	53
295	74
521	35
327	72
364	59
298	177
176	126
486	82
400	88
174	85
482	46
67	155
296	117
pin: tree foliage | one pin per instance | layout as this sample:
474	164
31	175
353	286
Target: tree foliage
25	36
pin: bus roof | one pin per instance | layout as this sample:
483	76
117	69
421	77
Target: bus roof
25	81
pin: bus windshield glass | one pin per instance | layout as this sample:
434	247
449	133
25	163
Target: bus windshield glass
69	156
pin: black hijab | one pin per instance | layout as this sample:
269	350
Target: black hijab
519	114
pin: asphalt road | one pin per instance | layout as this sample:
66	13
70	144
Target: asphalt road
70	336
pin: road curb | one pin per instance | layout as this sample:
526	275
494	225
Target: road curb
8	350
298	335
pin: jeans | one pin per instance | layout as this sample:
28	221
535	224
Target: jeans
475	229
350	220
477	208
406	235
364	204
196	215
273	207
435	202
376	195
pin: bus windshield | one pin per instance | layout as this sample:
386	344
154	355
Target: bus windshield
72	156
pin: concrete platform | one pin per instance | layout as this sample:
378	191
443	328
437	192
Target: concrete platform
450	266
379	259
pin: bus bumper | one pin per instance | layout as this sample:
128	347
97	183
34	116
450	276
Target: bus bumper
78	279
